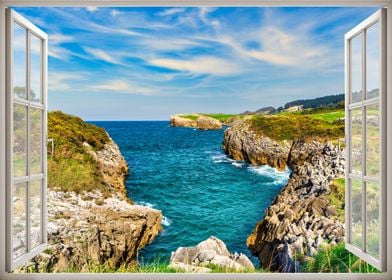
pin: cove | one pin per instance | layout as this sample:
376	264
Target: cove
201	192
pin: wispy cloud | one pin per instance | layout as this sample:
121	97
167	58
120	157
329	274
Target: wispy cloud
102	55
63	81
171	12
125	87
199	65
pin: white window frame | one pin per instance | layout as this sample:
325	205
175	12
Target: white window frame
12	18
378	16
161	3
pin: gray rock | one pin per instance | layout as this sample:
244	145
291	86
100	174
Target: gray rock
208	252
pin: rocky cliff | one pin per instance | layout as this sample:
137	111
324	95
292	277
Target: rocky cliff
197	121
91	224
301	217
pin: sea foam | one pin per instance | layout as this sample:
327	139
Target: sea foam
166	221
279	177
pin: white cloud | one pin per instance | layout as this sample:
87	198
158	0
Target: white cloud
102	55
92	9
171	12
115	13
60	81
124	86
199	65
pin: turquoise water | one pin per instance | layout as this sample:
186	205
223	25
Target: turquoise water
201	192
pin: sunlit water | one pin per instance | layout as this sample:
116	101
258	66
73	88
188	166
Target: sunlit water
201	192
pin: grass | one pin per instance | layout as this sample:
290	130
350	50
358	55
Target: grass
220	117
297	126
72	168
336	259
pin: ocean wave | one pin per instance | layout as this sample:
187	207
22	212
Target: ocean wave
279	177
219	158
238	163
143	203
166	221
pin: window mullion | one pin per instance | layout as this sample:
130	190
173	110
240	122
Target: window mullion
28	145
364	187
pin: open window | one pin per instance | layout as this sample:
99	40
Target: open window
26	140
365	140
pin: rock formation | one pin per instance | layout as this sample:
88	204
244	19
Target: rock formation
210	252
200	122
301	217
91	228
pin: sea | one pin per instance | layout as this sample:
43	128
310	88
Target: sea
201	191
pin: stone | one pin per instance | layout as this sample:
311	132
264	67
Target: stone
208	252
302	210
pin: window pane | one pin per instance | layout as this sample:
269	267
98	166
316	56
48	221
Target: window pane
356	140
373	61
36	141
356	69
356	212
19	219
373	218
19	61
35	211
35	83
372	140
19	141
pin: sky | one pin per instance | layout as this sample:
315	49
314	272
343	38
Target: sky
149	63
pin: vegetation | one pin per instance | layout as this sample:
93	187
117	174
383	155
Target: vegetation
220	117
71	167
325	101
336	197
336	259
300	125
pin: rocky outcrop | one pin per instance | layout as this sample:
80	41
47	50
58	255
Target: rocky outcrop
210	252
96	228
242	143
200	122
301	217
90	230
112	166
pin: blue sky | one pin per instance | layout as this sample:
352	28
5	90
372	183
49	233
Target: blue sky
148	63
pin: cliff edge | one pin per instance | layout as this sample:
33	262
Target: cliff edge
302	217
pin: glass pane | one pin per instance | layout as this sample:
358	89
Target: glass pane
373	61
373	140
373	221
35	84
356	212
19	219
19	61
19	140
35	212
356	69
356	140
36	141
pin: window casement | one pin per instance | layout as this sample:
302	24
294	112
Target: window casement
365	132
23	82
26	172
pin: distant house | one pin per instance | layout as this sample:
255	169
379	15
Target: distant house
294	108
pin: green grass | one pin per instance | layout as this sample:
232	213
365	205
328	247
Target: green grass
296	127
336	259
219	117
72	168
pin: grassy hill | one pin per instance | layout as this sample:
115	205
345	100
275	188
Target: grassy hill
72	168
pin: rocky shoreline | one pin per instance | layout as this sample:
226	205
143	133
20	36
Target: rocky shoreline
301	218
93	228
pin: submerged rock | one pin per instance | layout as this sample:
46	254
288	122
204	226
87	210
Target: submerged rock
210	252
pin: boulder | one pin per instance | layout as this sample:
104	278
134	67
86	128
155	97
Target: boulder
210	252
177	120
201	122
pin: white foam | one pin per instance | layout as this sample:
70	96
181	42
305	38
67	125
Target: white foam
166	221
143	203
219	158
237	164
279	177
